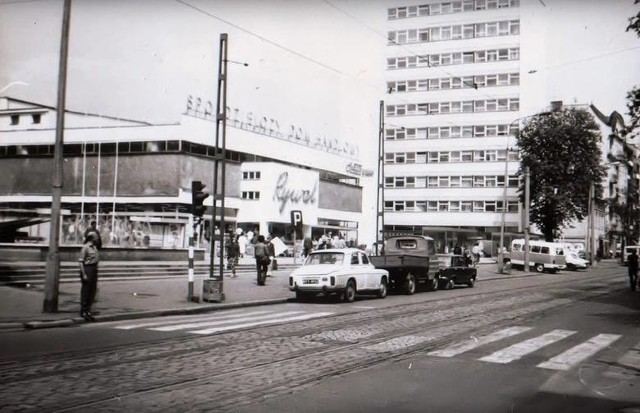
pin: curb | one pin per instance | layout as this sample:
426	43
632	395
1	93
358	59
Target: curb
34	325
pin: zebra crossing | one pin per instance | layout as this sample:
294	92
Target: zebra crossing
225	321
562	362
519	342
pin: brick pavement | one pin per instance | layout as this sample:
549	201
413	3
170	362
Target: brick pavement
148	298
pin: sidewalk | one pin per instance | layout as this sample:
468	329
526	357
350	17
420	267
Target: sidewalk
117	300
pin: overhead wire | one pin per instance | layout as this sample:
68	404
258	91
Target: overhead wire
275	44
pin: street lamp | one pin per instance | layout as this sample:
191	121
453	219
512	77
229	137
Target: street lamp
504	198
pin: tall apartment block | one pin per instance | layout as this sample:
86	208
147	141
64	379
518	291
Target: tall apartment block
453	75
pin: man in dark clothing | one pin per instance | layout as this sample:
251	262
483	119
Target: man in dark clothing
233	253
633	269
93	230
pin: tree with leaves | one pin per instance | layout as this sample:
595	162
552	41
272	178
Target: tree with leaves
562	151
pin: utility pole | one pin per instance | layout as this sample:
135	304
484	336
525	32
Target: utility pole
219	164
527	201
504	211
52	277
592	223
380	196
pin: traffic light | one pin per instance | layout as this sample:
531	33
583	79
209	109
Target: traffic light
197	199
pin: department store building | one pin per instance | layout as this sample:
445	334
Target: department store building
135	178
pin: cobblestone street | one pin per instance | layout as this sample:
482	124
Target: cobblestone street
225	371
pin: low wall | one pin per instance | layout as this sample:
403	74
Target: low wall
27	252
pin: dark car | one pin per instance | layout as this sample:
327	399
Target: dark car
454	270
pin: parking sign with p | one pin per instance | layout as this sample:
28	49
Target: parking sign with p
296	223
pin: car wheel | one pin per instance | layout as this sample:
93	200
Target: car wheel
449	284
350	292
471	283
571	267
432	284
539	267
410	284
382	291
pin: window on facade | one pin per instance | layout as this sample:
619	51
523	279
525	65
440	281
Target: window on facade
36	118
15	119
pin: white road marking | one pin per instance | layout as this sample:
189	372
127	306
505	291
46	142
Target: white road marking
579	353
517	351
256	323
467	345
227	321
397	343
220	316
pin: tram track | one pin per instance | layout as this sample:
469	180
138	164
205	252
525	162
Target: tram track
260	365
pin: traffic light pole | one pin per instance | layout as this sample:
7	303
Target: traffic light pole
219	164
191	254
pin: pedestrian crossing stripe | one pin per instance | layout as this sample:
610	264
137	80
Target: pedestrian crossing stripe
580	352
211	323
228	315
262	322
476	342
519	350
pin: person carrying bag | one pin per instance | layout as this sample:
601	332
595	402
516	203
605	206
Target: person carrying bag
261	254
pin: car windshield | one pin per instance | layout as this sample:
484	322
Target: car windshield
329	258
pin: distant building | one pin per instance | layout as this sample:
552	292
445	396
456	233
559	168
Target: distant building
134	178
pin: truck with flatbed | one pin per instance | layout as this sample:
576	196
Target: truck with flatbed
411	261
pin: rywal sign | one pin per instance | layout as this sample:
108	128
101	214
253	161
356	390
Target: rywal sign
289	197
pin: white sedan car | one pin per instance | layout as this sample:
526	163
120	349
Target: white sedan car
345	272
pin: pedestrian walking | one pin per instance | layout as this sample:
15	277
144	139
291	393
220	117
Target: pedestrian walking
475	252
233	254
261	254
307	246
632	260
88	260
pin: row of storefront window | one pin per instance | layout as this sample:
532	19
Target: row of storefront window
449	181
489	155
455	32
448	7
122	148
453	58
467	106
449	206
445	132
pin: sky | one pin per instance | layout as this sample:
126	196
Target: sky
318	64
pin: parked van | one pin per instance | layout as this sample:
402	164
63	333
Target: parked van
543	256
627	252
